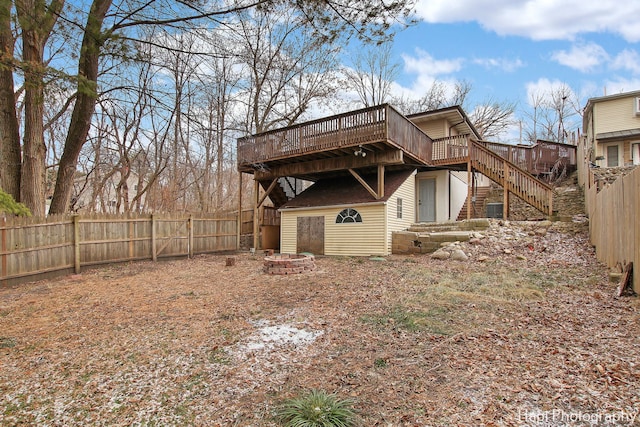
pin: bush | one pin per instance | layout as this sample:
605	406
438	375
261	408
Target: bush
10	206
317	409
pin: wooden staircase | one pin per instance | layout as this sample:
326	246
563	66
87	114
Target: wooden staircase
477	208
512	178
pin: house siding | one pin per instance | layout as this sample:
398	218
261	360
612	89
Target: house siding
435	129
407	193
615	114
351	239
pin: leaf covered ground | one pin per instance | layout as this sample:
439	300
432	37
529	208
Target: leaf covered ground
531	336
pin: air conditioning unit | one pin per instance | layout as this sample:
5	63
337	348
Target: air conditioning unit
495	210
637	106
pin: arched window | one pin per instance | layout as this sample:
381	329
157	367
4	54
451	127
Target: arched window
348	215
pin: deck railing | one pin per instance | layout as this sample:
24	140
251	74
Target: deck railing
375	124
344	130
538	158
512	178
450	150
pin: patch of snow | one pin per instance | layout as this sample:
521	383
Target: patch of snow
270	337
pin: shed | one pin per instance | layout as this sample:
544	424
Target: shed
338	216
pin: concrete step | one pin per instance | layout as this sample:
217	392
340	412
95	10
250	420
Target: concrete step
434	227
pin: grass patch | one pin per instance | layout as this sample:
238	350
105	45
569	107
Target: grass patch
317	409
6	342
452	302
219	356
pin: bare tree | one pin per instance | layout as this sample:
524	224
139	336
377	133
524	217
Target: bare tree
492	118
372	74
108	28
287	67
439	95
551	113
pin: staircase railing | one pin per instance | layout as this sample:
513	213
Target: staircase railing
512	178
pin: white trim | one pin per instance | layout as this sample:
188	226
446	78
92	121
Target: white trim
350	205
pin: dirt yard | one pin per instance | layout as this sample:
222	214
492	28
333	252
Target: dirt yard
527	332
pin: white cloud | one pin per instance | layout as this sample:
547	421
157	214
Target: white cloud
508	65
619	85
424	63
538	19
627	60
584	57
428	70
543	88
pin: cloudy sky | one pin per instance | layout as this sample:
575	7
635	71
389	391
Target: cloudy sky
508	49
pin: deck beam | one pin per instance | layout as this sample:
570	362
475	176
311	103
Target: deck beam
387	157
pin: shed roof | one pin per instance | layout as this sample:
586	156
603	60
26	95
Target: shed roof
347	190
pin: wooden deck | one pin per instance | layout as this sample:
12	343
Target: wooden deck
382	136
376	129
537	159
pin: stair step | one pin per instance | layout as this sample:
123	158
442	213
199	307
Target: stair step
450	226
481	196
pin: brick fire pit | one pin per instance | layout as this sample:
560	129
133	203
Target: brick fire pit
288	264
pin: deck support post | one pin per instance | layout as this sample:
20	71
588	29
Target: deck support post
239	224
256	214
469	188
505	186
380	181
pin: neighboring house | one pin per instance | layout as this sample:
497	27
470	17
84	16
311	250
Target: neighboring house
376	171
107	195
611	127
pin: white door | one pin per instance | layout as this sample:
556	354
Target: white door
427	200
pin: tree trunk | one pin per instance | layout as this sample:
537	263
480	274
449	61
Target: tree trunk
84	107
9	133
37	20
33	148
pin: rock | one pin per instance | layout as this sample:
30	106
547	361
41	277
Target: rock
507	251
459	255
441	254
521	257
483	258
541	231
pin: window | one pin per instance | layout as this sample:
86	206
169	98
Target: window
399	208
635	153
637	104
348	215
612	156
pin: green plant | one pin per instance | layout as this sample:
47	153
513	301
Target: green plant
380	363
10	206
317	409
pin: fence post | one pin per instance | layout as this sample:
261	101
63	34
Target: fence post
4	249
76	243
154	256
239	224
190	232
131	229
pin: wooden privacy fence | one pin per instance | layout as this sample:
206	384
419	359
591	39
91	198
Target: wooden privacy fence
37	248
614	223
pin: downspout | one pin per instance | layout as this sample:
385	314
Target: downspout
449	184
449	175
